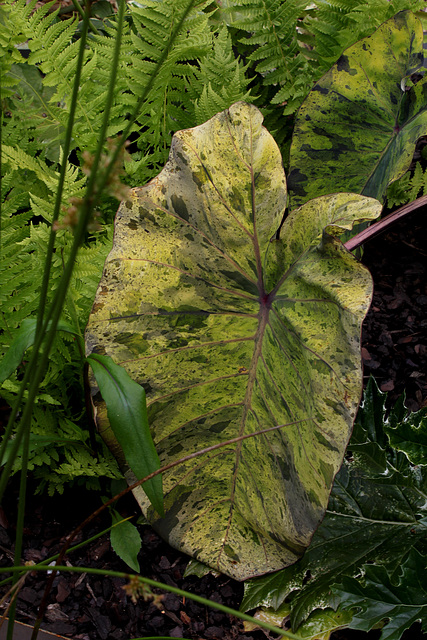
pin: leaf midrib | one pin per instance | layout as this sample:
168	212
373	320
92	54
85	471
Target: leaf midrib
263	321
265	305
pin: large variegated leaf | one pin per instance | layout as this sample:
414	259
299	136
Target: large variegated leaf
231	331
377	514
357	129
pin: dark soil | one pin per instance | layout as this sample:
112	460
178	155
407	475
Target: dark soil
86	607
395	330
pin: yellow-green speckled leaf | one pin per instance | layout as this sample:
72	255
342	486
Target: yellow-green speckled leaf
230	333
357	128
318	626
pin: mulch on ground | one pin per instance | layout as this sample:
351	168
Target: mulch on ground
86	607
395	330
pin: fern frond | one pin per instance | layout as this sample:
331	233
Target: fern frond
18	159
10	38
274	50
218	81
410	186
165	110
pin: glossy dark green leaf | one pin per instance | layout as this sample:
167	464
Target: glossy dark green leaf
377	598
369	441
376	514
408	432
231	332
127	415
356	131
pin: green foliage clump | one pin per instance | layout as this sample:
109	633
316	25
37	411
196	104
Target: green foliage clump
265	52
412	185
269	52
200	76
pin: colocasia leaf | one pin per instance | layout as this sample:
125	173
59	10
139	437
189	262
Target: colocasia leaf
231	332
357	129
378	598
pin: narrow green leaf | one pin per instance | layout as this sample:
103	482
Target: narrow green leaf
125	540
24	339
378	598
231	332
127	414
357	129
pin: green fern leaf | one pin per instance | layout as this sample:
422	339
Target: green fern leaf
410	186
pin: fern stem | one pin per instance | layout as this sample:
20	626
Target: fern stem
40	331
74	316
62	175
165	587
92	187
79	9
92	193
19	528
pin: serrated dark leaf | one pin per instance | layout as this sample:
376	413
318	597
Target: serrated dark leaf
125	540
409	434
379	598
369	441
